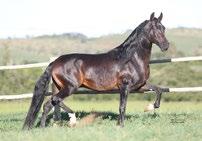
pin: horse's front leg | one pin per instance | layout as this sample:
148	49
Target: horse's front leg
124	90
157	90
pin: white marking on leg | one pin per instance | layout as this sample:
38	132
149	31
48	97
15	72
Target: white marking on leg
150	89
72	121
149	107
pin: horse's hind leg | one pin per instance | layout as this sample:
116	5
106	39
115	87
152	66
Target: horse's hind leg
46	109
71	114
65	108
55	100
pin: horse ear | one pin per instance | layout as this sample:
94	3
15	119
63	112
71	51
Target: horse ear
152	16
160	17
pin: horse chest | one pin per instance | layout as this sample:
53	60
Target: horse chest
137	72
141	64
144	72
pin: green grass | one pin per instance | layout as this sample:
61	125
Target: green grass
173	121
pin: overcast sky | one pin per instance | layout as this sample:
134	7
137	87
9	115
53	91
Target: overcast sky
19	18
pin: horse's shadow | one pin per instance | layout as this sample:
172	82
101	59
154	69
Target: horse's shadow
83	114
102	115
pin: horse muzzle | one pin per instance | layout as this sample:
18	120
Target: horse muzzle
164	46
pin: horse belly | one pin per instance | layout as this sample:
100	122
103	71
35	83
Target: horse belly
101	82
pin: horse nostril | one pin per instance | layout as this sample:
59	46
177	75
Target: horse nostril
168	44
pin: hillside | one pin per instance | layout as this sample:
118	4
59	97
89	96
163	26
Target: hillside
184	42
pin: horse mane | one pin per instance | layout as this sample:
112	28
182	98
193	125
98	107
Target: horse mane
122	51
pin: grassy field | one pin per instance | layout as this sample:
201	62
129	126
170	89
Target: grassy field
173	121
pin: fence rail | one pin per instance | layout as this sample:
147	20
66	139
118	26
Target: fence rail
15	97
14	67
182	59
86	91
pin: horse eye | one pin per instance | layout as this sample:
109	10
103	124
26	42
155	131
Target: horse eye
161	27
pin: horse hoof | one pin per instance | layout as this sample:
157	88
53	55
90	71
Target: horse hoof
149	107
57	124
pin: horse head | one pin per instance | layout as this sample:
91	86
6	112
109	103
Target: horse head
156	32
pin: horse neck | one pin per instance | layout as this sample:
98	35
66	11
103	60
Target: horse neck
140	47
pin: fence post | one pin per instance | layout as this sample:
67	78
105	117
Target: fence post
57	111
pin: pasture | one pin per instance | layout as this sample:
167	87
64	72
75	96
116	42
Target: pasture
173	121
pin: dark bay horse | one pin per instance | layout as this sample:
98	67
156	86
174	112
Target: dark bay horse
123	68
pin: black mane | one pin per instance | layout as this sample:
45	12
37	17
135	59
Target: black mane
136	32
122	51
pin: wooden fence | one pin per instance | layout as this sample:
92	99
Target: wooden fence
86	91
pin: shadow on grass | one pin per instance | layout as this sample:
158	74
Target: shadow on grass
103	115
83	114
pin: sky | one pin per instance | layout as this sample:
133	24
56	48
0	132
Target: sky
19	18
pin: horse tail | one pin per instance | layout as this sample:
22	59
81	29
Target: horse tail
41	87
